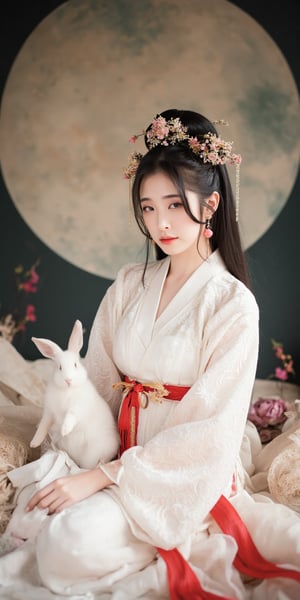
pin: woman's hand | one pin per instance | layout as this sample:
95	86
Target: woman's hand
65	491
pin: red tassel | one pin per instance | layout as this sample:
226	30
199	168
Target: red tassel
183	583
248	559
128	418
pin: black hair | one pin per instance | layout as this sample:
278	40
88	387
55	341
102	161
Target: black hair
188	172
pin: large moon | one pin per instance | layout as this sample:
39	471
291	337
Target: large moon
93	73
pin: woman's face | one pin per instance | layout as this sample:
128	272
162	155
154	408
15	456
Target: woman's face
169	226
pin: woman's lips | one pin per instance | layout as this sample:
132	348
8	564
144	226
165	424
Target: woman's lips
168	240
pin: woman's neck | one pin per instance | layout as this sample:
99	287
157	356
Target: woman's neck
183	265
180	270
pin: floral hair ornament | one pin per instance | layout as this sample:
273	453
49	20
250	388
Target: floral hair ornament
210	148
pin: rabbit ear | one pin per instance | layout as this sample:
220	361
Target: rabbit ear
46	347
76	338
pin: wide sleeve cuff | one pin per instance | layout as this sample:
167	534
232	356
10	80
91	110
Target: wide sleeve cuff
113	470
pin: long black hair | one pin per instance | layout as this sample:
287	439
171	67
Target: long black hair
189	172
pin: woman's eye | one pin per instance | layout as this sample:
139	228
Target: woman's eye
147	208
175	204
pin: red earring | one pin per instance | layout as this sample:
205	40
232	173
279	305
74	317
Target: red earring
208	232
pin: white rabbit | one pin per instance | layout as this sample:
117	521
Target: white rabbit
76	417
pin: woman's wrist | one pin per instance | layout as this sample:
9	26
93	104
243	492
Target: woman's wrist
101	478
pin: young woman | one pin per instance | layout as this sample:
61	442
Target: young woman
173	350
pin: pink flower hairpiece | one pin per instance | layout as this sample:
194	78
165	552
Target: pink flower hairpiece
211	148
215	150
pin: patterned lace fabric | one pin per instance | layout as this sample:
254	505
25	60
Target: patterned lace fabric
284	474
13	453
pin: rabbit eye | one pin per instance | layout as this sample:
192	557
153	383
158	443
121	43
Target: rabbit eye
60	367
75	365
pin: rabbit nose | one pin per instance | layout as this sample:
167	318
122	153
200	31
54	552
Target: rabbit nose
68	381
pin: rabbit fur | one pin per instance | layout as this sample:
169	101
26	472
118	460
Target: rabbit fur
76	417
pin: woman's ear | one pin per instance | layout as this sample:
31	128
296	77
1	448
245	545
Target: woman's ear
213	203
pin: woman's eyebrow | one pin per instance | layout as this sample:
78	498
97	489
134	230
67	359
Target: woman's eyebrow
164	197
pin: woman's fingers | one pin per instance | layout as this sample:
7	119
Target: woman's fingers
39	498
65	491
51	496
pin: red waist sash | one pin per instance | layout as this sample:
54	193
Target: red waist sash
138	396
182	581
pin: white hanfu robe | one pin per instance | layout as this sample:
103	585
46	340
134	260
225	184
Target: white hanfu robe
186	454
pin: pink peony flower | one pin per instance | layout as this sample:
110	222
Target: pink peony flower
267	411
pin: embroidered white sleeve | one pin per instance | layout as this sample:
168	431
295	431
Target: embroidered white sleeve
98	359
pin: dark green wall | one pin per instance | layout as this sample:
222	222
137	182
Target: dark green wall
67	292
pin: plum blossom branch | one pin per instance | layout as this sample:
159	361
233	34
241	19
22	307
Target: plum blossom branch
16	320
286	368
